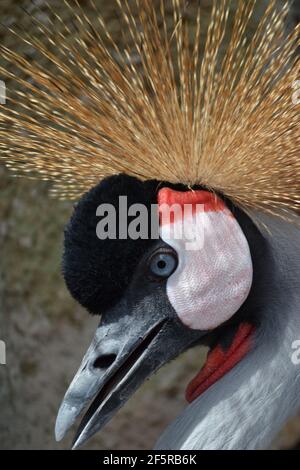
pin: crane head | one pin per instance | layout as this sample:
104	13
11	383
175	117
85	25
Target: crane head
182	273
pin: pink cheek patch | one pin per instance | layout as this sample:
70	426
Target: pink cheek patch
214	274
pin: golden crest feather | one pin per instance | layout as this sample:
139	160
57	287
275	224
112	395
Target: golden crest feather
168	106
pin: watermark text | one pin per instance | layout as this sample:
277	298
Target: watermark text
2	92
2	353
296	354
296	94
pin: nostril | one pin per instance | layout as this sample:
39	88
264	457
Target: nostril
105	361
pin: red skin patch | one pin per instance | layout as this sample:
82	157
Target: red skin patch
209	201
219	362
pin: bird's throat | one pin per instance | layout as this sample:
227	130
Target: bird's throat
220	361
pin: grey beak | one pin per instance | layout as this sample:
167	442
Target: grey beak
106	370
123	353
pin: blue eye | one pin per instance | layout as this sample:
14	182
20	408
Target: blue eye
162	264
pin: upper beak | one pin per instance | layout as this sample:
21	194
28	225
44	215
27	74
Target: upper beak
122	355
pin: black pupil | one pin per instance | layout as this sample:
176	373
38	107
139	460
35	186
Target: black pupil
161	264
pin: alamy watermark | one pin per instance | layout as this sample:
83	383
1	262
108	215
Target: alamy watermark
2	92
138	221
296	354
296	94
2	353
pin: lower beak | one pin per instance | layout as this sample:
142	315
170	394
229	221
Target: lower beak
118	361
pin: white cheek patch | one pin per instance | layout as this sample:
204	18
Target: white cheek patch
211	282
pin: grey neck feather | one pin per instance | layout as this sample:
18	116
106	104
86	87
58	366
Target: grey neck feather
249	405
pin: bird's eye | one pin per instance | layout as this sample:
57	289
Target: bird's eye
162	264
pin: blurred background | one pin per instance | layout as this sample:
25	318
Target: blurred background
45	331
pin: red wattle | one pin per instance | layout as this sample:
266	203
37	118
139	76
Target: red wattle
219	362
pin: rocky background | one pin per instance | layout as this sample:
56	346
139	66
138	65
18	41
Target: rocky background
45	331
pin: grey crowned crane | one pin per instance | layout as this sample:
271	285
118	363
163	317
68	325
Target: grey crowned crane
188	124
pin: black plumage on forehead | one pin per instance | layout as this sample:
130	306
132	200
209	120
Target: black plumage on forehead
98	271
